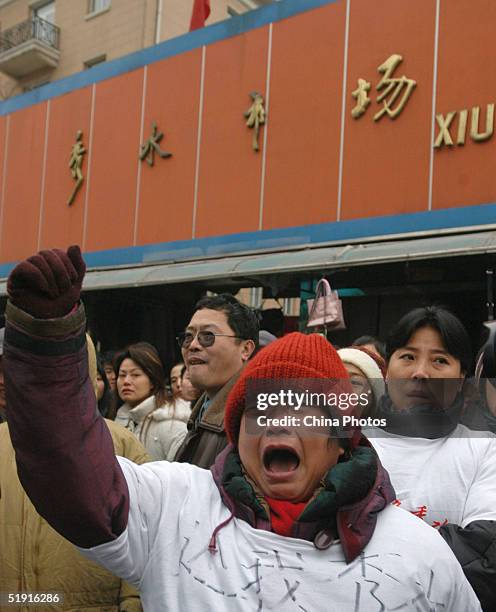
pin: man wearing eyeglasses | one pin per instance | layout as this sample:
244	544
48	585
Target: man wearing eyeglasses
220	338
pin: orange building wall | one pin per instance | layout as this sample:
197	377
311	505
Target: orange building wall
315	163
21	202
465	175
60	223
305	115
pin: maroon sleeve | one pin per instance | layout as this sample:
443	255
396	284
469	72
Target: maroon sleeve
64	451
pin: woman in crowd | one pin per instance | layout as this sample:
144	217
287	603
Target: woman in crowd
104	394
175	379
372	344
366	371
108	365
144	405
441	471
188	393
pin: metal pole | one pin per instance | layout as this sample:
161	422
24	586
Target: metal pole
490	294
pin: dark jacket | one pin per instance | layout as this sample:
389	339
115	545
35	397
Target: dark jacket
206	437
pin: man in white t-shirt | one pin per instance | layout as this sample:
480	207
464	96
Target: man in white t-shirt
289	518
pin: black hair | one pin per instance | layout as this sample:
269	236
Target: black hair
108	357
453	334
105	403
146	356
376	343
240	318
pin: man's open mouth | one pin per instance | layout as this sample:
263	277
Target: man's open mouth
280	460
195	361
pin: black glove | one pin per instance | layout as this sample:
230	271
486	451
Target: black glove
48	284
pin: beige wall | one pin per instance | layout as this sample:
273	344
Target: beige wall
176	15
129	25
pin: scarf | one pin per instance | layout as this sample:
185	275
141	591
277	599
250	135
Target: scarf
284	514
345	483
420	421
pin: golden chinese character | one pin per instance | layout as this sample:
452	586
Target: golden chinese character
255	117
151	146
393	87
75	164
362	98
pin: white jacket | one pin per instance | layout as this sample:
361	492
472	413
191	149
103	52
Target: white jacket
161	430
175	508
444	480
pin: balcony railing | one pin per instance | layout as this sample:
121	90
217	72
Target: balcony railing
31	29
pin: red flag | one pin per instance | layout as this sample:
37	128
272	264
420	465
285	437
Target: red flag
201	11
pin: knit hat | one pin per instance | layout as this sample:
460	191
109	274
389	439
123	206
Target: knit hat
295	356
363	360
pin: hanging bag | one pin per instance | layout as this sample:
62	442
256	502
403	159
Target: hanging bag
326	310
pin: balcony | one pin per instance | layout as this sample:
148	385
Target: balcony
29	46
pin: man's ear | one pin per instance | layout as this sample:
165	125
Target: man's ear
247	349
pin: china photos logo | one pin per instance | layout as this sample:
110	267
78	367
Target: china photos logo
311	405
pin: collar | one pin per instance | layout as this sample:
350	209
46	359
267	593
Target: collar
420	421
212	417
344	507
142	410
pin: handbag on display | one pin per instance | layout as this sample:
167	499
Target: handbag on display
326	310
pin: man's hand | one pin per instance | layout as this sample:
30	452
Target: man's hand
48	284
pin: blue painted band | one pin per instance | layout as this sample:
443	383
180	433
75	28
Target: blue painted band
279	239
187	42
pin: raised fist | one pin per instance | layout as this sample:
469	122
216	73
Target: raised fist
47	285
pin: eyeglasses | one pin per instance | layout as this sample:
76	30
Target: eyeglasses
205	338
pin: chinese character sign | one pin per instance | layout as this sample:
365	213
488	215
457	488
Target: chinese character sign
255	117
151	146
75	165
393	92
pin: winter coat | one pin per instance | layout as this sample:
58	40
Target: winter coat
34	558
160	430
206	437
177	530
193	545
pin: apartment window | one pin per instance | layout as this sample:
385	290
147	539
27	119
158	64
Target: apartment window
96	6
94	61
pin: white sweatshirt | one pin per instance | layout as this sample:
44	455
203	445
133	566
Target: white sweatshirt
446	480
174	509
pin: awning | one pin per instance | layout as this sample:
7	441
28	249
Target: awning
304	259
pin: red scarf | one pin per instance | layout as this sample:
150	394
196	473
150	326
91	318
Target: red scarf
284	514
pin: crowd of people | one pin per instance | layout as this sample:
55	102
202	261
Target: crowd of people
123	489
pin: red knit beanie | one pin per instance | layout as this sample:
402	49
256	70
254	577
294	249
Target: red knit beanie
295	356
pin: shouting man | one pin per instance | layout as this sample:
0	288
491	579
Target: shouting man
287	519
